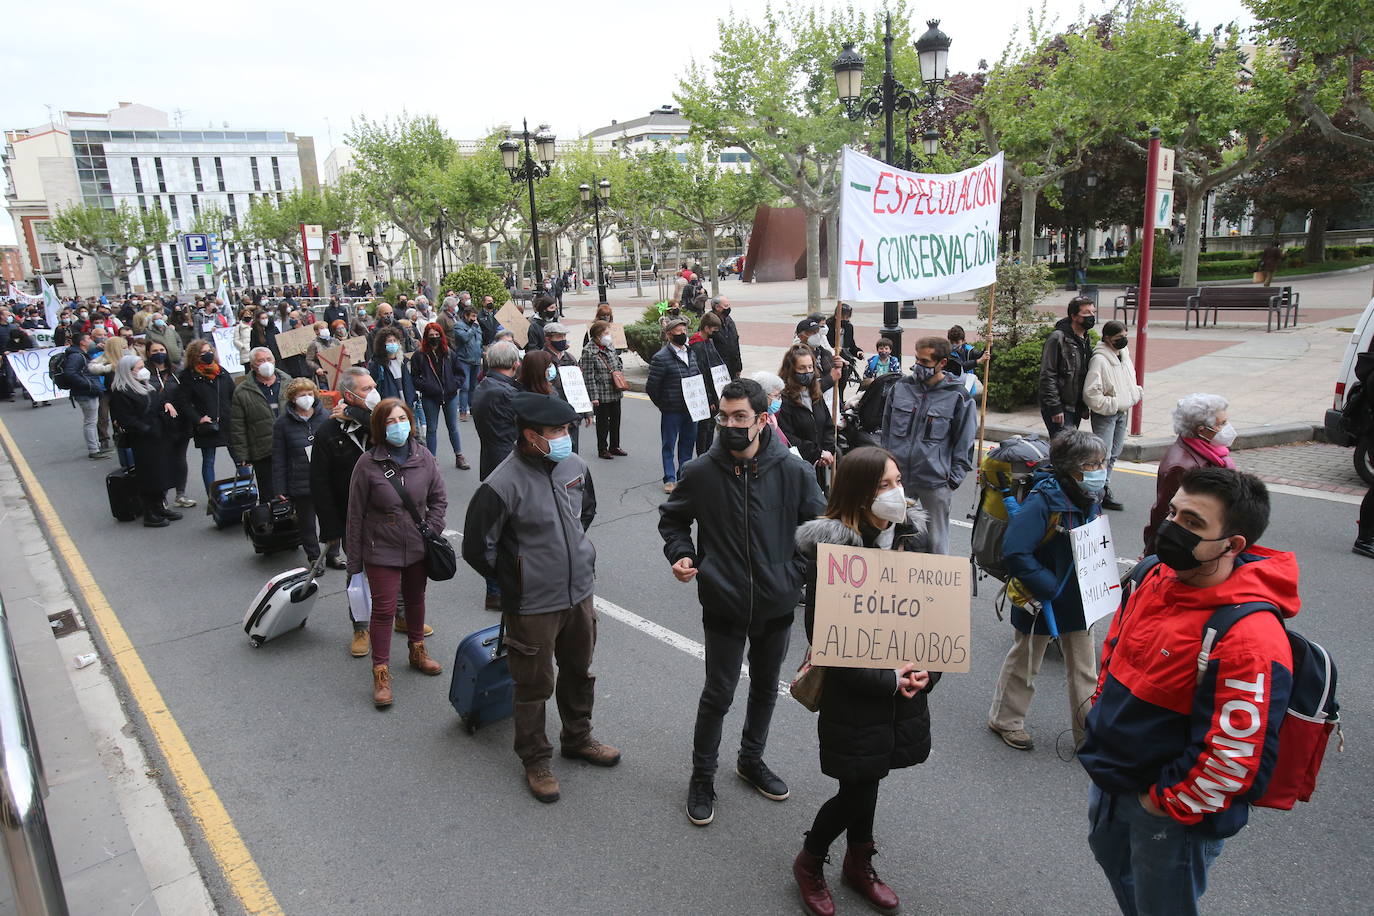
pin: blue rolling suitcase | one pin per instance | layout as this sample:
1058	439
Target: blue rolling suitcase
231	498
482	690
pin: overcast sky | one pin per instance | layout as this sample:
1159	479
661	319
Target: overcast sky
312	67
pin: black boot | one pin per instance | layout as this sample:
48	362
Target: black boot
168	514
1364	546
1109	501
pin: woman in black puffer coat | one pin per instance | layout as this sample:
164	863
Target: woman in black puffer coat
204	392
871	721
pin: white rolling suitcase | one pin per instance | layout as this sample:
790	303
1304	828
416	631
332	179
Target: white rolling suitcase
283	604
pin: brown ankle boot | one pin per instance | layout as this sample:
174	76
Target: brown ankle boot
381	686
421	662
809	871
858	873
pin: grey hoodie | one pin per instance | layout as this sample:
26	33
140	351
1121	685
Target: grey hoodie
930	431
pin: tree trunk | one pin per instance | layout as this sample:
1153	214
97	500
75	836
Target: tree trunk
711	259
813	261
1192	236
832	229
1029	194
1315	251
639	261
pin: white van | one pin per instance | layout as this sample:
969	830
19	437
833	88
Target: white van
1360	342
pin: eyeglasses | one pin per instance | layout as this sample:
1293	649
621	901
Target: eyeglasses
740	420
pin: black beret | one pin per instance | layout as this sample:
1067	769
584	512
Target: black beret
542	409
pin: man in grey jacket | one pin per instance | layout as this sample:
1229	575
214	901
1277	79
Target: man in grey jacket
929	423
526	527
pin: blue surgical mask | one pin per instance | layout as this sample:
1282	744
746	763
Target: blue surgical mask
551	373
398	433
559	448
775	405
392	348
1094	482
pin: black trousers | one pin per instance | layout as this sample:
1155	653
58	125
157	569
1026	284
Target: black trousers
724	653
607	414
262	470
706	432
850	811
1367	515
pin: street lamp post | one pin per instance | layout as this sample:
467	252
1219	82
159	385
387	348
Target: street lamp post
1075	189
79	261
525	168
603	194
889	99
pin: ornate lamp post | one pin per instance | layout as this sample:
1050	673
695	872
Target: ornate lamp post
528	169
603	194
79	261
888	99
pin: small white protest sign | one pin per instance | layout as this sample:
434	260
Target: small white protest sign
575	388
721	376
694	393
1099	580
228	353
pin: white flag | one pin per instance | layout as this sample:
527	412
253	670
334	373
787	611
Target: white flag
50	304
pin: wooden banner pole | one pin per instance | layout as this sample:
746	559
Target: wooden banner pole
987	372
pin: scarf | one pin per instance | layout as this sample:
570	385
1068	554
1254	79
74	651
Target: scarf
211	371
1218	455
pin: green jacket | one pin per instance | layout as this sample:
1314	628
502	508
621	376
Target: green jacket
169	338
251	418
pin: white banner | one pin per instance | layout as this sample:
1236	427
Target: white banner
31	368
905	235
1099	580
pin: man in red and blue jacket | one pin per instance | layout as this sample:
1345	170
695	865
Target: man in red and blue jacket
1177	744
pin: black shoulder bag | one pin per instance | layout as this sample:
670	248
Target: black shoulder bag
441	563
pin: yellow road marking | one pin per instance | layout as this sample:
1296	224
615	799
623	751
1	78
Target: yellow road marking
240	871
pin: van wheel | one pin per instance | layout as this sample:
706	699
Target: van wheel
1364	461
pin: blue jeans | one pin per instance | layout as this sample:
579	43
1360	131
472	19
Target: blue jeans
207	469
431	407
1111	429
679	433
1155	865
467	380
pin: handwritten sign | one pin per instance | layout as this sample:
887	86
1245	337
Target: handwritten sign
293	343
334	360
694	393
1099	580
884	608
721	376
512	320
575	388
229	358
905	235
31	368
617	333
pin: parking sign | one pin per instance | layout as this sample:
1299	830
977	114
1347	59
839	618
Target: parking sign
196	246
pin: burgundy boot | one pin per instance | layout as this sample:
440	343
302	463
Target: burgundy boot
809	871
857	872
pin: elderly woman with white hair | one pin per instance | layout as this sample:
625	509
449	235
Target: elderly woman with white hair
772	386
144	419
1204	440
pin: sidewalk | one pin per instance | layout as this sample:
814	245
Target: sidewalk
117	846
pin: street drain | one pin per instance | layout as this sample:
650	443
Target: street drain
64	623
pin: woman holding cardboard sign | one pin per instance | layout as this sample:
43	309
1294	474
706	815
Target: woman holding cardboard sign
871	720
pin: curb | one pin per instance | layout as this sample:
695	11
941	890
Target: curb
1154	449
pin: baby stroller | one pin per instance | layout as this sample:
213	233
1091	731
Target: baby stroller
863	420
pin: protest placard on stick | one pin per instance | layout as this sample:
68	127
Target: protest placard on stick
512	320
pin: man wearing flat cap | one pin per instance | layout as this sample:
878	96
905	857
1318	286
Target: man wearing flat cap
526	527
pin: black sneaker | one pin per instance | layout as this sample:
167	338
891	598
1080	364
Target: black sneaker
757	774
701	801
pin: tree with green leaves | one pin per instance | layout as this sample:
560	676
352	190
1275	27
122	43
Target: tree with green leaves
770	91
276	225
398	166
122	238
478	199
637	194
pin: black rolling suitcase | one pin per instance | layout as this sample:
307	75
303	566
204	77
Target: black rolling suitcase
122	487
272	526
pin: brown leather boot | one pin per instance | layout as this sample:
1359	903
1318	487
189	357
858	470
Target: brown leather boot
421	662
809	871
381	686
543	784
857	872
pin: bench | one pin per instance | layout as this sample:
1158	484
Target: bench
1278	302
1161	297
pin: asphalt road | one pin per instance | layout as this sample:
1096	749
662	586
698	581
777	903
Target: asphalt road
350	810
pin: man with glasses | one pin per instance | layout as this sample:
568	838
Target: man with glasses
747	495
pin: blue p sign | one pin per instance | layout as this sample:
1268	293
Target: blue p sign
197	246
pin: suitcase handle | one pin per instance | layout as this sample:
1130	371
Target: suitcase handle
499	639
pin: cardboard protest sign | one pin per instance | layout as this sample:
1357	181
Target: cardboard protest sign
229	358
1099	580
884	608
31	368
694	393
720	375
293	343
575	388
617	333
334	360
512	320
905	235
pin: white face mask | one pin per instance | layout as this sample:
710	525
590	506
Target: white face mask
143	375
1224	436
890	506
263	320
372	399
816	339
605	340
324	333
267	369
305	401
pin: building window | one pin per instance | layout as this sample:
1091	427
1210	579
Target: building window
161	178
148	273
195	205
138	175
219	173
257	184
172	202
276	173
161	267
200	182
233	212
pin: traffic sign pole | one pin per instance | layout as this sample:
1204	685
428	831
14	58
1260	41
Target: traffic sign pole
1147	263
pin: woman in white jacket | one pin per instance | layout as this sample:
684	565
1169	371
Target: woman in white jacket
1110	392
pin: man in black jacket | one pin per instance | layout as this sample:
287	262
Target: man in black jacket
747	496
727	338
494	416
87	392
339	443
545	311
1064	366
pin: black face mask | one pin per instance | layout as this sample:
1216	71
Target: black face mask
736	439
559	345
207	357
805	379
1175	544
1118	343
158	358
1089	321
679	339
